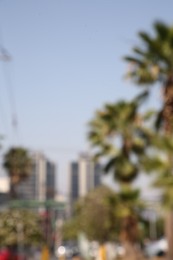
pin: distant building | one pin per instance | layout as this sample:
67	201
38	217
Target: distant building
84	175
41	184
4	190
4	184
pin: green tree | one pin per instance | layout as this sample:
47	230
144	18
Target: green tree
17	162
20	226
117	216
99	202
152	63
118	136
116	133
70	229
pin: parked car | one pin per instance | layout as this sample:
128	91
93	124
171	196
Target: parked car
6	254
67	251
156	248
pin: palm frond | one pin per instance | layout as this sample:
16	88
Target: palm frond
154	164
134	60
141	97
110	164
145	37
162	30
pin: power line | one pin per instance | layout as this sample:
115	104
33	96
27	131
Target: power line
2	58
5	57
3	121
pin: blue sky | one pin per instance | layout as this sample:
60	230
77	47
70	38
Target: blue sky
67	62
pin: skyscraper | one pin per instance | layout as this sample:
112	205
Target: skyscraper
84	175
41	184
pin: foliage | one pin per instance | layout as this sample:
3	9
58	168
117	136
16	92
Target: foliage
153	62
102	215
149	64
120	136
96	214
20	226
117	134
70	229
17	162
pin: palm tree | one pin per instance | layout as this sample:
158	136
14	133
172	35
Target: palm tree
119	137
18	163
118	134
153	63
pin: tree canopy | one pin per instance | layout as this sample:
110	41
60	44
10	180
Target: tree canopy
20	226
18	163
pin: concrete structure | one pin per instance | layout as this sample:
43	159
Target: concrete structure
4	190
41	185
4	184
84	175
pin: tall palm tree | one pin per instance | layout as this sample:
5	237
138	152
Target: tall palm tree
17	162
119	138
152	63
118	134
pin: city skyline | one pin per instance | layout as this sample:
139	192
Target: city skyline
74	169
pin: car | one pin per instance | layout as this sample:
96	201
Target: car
156	248
67	251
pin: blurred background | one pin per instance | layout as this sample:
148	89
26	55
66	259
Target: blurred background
74	106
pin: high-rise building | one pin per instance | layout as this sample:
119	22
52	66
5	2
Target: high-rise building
41	184
84	175
4	190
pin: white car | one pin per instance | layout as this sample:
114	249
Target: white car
156	248
66	251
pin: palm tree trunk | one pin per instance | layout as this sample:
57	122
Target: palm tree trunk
168	127
169	234
128	236
132	252
13	194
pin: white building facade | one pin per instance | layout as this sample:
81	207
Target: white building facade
41	184
84	175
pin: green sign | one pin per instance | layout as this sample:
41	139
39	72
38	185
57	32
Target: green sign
36	204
